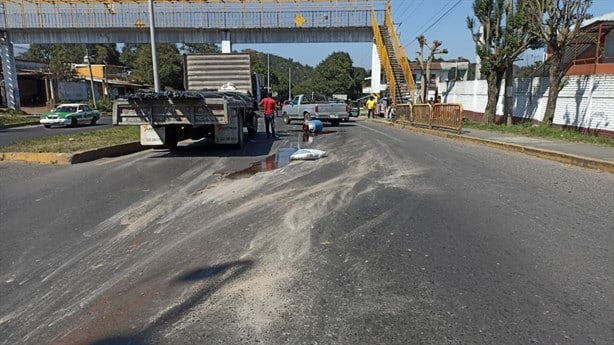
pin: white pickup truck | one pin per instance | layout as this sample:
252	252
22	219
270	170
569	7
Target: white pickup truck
315	107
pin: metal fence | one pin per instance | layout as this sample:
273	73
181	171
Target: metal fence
440	115
448	116
403	112
421	115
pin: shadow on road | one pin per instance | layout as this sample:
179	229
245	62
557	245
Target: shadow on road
224	273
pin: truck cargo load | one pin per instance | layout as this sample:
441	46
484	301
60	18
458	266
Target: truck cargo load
218	104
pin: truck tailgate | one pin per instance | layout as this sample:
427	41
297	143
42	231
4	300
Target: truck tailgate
168	112
334	109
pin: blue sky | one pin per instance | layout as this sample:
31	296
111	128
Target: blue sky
442	20
412	17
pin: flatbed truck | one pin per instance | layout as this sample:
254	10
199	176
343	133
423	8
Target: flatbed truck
219	103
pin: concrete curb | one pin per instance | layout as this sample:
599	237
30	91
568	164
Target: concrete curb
73	158
23	124
561	157
37	157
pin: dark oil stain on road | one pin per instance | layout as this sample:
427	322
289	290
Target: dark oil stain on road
279	159
270	163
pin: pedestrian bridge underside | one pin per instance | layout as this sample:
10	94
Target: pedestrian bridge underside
181	21
189	21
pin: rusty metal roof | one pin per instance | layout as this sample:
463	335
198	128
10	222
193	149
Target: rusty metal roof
585	41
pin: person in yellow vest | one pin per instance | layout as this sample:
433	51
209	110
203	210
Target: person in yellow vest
370	107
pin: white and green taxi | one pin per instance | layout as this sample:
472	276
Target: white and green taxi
70	114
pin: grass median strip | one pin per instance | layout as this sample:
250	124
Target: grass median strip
12	119
76	142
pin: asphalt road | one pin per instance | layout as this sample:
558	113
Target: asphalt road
13	134
394	238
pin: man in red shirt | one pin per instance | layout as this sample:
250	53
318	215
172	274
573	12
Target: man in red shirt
269	105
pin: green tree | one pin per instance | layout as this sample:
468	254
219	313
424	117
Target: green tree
359	79
199	48
505	36
62	58
105	54
38	53
335	75
279	71
127	56
558	23
170	65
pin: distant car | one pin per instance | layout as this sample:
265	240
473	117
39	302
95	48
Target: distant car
312	107
70	114
354	108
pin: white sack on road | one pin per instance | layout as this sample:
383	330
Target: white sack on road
307	154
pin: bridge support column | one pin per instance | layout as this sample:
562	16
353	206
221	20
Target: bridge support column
376	71
9	71
226	45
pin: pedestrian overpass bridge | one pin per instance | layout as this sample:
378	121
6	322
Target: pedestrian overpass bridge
206	21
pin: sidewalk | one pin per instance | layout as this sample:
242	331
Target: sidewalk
579	154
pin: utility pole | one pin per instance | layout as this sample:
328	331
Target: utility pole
509	74
289	83
89	64
154	52
268	74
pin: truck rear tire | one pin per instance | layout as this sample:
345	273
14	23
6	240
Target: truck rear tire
171	137
252	123
240	141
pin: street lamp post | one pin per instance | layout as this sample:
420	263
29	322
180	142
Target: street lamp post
154	52
89	64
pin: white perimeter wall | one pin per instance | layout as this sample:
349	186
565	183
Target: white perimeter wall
585	101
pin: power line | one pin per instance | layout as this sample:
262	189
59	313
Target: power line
418	4
432	17
437	21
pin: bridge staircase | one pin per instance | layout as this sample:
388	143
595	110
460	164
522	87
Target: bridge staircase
399	77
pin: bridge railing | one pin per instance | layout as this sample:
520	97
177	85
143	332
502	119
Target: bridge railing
399	51
176	15
385	60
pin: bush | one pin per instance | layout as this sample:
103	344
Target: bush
104	105
12	112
